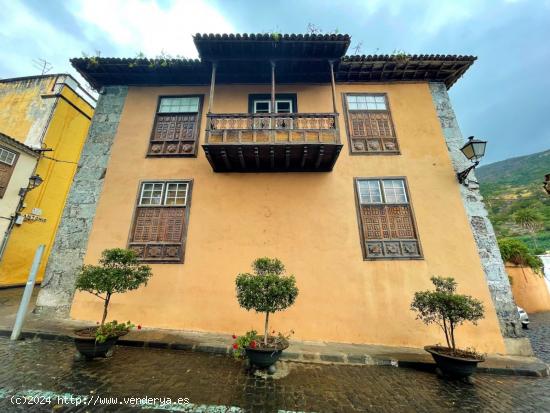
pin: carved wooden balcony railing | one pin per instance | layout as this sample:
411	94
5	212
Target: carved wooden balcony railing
278	142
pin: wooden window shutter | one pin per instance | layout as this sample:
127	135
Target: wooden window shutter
371	130
387	222
388	229
175	134
158	233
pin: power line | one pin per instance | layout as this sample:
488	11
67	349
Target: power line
59	160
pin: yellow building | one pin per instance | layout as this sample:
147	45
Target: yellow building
50	115
344	167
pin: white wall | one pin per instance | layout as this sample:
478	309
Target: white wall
19	179
546	261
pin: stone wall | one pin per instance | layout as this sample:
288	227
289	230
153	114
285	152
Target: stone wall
497	278
71	240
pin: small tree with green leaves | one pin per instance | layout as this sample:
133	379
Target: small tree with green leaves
518	253
118	271
446	308
530	220
267	290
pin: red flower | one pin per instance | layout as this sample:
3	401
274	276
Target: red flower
253	344
234	336
235	346
139	327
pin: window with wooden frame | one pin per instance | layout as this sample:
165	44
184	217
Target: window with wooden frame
370	126
281	106
160	221
386	221
176	128
8	159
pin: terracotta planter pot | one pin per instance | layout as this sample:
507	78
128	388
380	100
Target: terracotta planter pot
453	366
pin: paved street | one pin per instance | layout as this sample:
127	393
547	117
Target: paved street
539	333
216	383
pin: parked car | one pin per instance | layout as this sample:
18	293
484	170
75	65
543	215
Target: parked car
523	317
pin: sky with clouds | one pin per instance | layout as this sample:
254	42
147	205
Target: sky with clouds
503	98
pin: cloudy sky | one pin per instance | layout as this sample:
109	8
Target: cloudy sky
504	97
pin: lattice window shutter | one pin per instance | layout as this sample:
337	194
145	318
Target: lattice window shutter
5	175
174	134
384	222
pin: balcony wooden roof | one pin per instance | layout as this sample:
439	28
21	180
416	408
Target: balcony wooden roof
388	68
246	59
247	47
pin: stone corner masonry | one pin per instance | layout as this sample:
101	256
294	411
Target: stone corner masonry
495	273
71	240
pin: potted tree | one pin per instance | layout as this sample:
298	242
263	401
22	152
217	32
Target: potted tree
449	310
118	271
266	291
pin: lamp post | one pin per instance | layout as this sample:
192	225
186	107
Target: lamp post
34	182
474	150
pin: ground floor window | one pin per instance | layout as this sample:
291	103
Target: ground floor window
386	221
7	165
160	221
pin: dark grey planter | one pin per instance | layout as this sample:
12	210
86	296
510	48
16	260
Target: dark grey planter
263	358
453	366
90	348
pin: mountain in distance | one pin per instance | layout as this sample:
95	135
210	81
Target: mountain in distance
515	184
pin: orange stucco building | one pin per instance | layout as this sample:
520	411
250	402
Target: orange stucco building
339	166
529	288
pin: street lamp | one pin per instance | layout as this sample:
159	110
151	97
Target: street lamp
474	150
34	182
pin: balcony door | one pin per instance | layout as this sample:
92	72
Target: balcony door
264	106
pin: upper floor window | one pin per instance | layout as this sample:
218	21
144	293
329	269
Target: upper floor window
387	225
176	128
160	221
7	165
281	106
370	127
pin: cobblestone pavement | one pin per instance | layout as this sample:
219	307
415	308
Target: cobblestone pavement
220	384
539	334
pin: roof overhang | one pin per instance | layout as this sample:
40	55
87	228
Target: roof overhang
391	68
248	58
262	47
16	145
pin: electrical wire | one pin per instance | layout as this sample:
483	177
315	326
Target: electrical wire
59	160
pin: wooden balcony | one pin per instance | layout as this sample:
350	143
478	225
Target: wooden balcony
276	142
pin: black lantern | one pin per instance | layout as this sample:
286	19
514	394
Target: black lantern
34	181
474	150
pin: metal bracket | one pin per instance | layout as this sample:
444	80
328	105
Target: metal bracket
464	174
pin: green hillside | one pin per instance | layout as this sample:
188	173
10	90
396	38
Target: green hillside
513	188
